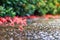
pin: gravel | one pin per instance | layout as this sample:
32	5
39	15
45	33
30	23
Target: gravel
43	35
50	30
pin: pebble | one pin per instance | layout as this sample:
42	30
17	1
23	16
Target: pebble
54	35
44	36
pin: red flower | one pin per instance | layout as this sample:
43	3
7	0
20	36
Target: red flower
11	24
8	19
7	24
48	16
32	16
21	28
4	20
11	21
1	23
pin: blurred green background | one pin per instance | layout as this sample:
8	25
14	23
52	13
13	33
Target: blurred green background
28	7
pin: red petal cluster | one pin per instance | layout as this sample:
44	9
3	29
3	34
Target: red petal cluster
8	21
51	16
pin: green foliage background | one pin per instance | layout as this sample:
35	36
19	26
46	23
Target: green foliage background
24	7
